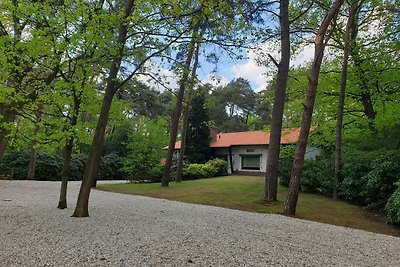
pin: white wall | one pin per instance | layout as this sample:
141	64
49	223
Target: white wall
311	153
237	161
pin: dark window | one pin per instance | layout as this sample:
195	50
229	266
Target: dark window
250	162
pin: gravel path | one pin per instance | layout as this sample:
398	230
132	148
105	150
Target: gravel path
126	230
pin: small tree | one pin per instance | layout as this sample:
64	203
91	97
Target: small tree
198	133
145	146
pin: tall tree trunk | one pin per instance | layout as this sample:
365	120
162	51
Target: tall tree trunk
66	169
32	160
271	176
8	117
342	95
33	157
186	110
178	109
66	172
93	161
320	43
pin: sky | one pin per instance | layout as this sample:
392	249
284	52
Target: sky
229	69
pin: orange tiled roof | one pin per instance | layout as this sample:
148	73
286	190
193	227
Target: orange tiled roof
289	136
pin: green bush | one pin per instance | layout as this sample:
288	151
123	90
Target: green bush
285	170
393	207
15	162
356	165
48	167
198	171
370	177
220	165
78	162
317	175
155	174
111	168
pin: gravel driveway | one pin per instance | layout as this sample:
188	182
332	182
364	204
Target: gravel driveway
126	230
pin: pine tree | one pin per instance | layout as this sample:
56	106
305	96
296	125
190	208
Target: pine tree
198	133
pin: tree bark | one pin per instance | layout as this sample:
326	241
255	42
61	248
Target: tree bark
32	160
66	172
271	176
342	95
186	110
93	161
178	109
33	157
8	117
66	169
320	43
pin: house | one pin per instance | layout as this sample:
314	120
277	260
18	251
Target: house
247	152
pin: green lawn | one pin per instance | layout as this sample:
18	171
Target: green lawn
245	193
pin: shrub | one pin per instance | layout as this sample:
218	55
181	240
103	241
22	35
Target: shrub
285	169
220	165
48	167
356	165
78	162
15	162
370	177
111	168
393	207
198	171
317	176
155	174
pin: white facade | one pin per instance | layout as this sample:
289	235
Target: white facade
258	153
239	153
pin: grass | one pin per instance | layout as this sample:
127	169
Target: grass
245	193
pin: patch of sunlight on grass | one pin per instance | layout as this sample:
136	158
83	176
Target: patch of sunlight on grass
246	192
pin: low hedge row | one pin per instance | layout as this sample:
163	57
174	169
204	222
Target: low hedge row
370	179
49	166
213	168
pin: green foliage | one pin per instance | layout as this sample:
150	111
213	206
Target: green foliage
145	146
213	168
393	207
220	165
111	168
199	171
198	132
369	177
48	166
317	175
15	162
77	166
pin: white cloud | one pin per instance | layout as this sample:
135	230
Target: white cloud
158	77
215	80
259	69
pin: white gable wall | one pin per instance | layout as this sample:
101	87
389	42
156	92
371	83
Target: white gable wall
248	150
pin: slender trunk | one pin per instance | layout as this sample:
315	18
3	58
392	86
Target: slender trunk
271	176
93	161
32	162
33	157
8	117
320	43
179	167
177	111
66	172
342	95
